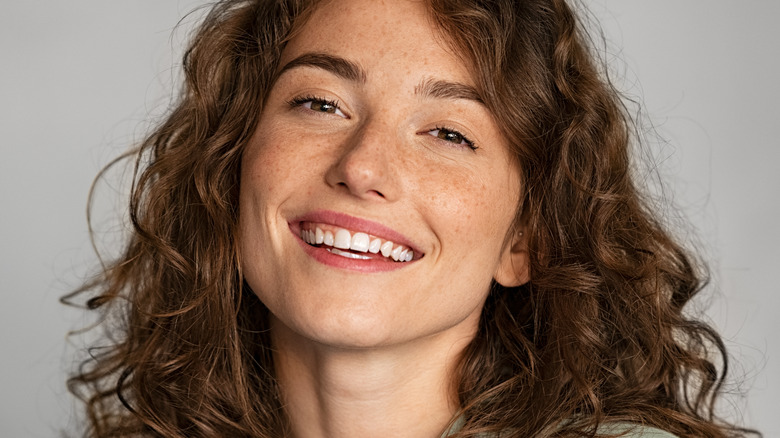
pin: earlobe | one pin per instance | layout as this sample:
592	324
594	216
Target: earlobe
512	267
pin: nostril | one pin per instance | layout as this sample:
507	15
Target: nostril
369	192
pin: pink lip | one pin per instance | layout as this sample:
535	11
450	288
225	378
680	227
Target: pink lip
352	223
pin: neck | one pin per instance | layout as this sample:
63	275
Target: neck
396	391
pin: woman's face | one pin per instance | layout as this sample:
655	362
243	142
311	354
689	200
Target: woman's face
374	139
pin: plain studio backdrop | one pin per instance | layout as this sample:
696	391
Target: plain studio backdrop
81	81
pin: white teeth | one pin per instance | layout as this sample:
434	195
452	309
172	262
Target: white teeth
360	242
349	255
343	239
387	248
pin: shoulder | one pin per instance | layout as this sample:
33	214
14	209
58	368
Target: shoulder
621	429
635	431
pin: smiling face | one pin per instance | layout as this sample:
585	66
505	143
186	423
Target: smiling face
377	191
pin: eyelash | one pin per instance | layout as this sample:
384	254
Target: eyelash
301	100
465	141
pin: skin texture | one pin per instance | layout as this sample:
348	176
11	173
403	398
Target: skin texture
352	344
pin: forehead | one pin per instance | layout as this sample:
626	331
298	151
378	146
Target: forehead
397	36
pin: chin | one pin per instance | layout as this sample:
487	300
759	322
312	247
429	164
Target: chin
349	329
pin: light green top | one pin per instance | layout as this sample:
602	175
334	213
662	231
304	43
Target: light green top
633	430
636	431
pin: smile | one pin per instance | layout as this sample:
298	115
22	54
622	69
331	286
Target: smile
353	244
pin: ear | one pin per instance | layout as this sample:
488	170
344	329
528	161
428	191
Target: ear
512	267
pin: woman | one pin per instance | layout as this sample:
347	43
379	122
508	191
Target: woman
397	219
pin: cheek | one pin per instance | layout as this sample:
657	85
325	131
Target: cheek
262	185
263	164
272	156
469	203
473	211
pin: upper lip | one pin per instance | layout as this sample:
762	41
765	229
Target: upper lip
354	224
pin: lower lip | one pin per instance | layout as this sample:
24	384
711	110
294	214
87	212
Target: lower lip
322	255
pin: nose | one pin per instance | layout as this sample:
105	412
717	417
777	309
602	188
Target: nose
363	166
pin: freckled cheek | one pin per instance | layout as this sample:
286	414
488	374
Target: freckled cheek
458	202
470	209
269	163
257	176
484	219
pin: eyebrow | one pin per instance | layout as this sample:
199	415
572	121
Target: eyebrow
333	64
428	87
440	89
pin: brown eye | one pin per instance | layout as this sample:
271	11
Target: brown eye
452	136
322	106
318	105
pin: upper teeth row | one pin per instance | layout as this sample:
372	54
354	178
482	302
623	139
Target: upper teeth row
360	242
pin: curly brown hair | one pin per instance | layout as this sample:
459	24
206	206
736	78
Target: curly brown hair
598	334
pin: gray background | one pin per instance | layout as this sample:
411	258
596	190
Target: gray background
82	80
